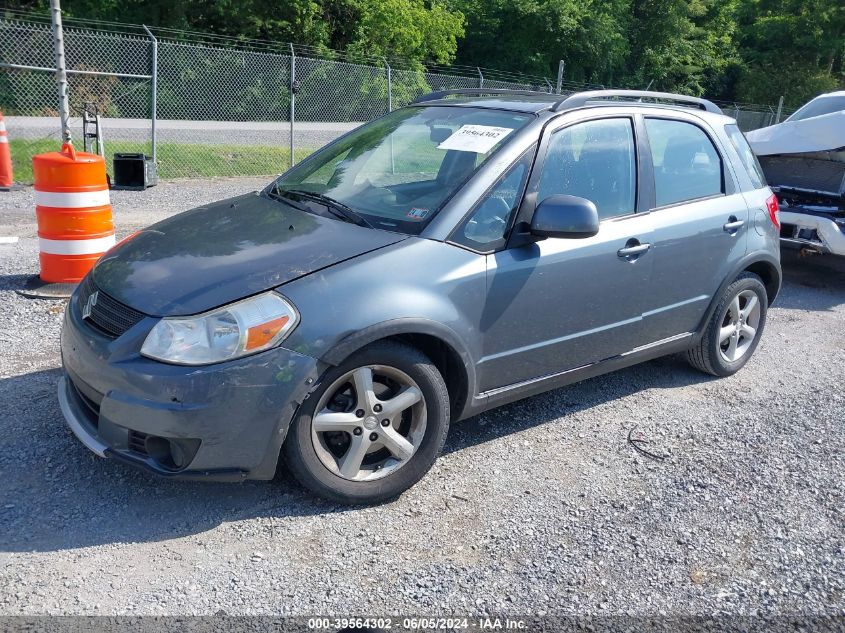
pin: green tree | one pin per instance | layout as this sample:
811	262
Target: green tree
532	35
793	48
679	45
405	28
749	50
419	30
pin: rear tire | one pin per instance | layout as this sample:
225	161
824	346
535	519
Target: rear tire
728	342
382	417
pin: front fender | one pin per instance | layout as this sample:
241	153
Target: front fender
415	287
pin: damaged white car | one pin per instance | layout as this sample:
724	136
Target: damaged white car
803	159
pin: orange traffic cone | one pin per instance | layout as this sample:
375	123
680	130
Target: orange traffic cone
74	215
5	158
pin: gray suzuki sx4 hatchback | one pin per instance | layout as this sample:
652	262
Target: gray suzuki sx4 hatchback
466	251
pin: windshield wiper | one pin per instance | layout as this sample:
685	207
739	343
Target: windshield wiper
279	194
336	207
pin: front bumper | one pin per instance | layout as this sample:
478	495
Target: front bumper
225	421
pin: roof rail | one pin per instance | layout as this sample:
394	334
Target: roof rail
582	98
480	92
577	100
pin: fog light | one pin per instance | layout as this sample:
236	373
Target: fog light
177	455
172	454
159	449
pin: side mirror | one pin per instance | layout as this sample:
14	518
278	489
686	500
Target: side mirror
565	216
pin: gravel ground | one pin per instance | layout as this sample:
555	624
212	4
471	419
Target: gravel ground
538	507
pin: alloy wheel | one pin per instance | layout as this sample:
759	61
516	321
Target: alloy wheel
369	423
739	326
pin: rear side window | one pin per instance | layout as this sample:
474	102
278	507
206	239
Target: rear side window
686	165
746	155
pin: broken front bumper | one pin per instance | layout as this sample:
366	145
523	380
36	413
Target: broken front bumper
225	421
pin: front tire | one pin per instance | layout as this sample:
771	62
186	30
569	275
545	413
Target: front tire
734	329
372	427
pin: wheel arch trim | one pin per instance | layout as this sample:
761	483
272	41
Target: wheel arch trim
393	328
747	263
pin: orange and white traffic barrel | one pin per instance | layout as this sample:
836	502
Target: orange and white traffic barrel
5	157
75	225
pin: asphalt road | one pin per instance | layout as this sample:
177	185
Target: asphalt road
542	506
306	133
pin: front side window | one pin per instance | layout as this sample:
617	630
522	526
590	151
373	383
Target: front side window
486	228
746	155
398	171
595	160
686	165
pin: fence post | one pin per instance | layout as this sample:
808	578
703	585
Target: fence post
480	78
780	108
61	74
153	92
561	65
389	71
292	100
549	84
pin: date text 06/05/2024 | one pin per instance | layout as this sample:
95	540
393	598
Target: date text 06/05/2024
417	624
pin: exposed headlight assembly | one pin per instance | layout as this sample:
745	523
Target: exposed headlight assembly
238	329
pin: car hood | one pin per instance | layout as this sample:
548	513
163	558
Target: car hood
817	134
216	254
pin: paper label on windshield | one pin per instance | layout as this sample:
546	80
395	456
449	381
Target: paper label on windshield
475	138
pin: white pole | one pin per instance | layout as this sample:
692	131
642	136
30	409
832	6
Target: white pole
61	73
153	92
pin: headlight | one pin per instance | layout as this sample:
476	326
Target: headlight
235	330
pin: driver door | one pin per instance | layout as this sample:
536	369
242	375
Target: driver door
558	304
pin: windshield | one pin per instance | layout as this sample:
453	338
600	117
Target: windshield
819	107
397	172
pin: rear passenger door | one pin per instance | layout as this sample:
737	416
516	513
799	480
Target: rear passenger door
700	222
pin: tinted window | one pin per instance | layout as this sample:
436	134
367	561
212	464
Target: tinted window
686	165
746	155
593	160
486	227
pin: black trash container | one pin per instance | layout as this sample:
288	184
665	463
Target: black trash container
134	171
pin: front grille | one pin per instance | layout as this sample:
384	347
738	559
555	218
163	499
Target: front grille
107	315
138	442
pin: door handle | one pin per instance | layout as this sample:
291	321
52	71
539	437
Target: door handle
633	251
733	225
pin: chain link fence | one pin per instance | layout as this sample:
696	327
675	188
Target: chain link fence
211	106
107	72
